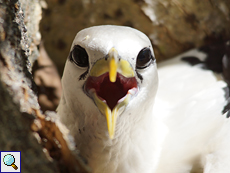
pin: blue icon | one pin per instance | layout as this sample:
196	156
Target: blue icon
9	160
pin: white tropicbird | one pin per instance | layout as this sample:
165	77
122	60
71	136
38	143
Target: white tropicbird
120	124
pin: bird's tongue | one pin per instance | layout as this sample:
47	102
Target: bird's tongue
111	92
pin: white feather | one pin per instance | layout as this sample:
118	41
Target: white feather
191	101
184	131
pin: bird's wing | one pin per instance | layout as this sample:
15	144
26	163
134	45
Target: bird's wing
179	81
190	102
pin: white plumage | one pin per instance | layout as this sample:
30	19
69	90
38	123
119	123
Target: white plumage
183	131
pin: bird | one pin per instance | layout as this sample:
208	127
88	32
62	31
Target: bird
128	114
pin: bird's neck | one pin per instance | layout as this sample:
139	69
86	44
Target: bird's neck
134	147
131	149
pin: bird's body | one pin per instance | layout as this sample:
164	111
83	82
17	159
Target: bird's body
198	132
183	131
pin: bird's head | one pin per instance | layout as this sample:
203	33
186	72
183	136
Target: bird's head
113	69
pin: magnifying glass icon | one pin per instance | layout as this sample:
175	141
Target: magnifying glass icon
9	160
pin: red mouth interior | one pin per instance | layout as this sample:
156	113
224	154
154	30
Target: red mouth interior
109	91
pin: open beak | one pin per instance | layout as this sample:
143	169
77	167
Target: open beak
111	84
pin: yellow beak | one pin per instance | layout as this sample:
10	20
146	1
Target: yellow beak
111	64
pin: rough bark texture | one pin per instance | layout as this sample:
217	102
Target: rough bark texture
43	141
172	25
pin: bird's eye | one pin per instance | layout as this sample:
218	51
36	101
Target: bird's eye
79	56
144	58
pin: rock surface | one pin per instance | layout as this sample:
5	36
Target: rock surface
172	25
44	142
